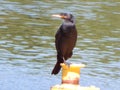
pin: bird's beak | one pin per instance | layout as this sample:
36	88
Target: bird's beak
57	15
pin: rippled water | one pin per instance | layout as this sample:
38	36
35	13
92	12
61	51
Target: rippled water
27	51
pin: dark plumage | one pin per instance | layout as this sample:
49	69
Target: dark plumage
65	40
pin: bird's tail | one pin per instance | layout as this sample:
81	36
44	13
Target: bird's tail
57	65
56	68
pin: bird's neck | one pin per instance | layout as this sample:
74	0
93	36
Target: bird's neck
68	22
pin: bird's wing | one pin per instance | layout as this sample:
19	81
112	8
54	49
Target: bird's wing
58	37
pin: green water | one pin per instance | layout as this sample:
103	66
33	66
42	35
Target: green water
27	51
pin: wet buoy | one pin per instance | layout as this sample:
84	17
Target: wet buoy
71	74
71	77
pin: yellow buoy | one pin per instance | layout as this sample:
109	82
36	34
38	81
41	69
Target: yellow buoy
71	74
71	77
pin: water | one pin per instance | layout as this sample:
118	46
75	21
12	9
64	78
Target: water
27	51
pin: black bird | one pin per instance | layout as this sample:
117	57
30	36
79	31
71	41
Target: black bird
65	40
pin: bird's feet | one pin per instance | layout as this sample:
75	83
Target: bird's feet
67	63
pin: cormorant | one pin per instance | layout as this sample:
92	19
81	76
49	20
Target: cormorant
65	40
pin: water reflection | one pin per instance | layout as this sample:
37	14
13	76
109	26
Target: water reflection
27	51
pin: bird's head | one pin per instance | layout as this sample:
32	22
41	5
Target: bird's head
64	16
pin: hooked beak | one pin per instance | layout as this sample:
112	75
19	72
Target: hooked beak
57	15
